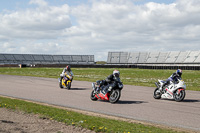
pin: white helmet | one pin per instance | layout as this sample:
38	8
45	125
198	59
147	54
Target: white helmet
116	73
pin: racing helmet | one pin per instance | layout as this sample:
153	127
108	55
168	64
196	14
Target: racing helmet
68	68
116	73
179	72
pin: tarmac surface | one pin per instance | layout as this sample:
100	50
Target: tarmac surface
136	102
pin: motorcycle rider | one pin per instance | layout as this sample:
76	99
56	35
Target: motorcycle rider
110	82
173	78
67	69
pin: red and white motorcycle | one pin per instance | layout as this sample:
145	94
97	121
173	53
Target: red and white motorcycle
175	90
112	94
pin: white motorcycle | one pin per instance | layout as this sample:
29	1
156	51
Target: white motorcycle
175	90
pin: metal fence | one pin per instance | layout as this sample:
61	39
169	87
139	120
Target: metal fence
45	59
174	57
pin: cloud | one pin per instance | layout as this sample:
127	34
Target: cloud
102	26
35	23
39	2
128	26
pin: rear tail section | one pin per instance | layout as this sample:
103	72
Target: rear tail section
93	86
157	85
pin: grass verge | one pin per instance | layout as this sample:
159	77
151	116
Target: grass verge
129	76
97	124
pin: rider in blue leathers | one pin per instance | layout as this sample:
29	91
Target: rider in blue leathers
173	77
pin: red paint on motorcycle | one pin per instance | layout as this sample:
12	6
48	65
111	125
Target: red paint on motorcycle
102	96
169	91
179	90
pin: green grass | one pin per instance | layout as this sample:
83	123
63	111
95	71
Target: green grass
94	123
129	76
140	77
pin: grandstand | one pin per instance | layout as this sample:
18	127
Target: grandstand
33	59
132	58
171	59
152	57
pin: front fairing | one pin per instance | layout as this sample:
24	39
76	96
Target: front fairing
120	85
69	75
63	82
103	97
181	84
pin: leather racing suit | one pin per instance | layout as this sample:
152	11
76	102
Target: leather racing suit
109	83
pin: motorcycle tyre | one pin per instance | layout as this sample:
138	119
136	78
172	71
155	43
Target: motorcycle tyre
116	99
92	96
60	85
182	97
69	86
156	96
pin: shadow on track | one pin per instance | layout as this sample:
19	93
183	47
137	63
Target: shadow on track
185	100
130	102
124	102
79	89
190	100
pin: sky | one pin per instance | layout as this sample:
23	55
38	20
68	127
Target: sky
96	27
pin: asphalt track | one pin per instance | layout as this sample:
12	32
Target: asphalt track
135	103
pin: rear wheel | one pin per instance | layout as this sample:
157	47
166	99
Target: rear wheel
114	96
179	95
92	96
157	94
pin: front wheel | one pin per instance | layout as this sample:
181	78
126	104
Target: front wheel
69	85
157	94
60	84
114	96
179	95
92	96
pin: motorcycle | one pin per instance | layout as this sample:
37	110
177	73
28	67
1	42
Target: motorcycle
175	90
65	81
112	94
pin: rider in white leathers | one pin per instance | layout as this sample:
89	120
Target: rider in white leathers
66	70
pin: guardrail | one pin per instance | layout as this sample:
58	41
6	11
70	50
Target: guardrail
188	57
45	59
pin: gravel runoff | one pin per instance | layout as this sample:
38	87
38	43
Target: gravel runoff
19	122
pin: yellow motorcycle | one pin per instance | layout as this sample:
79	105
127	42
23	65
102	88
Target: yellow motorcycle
65	81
